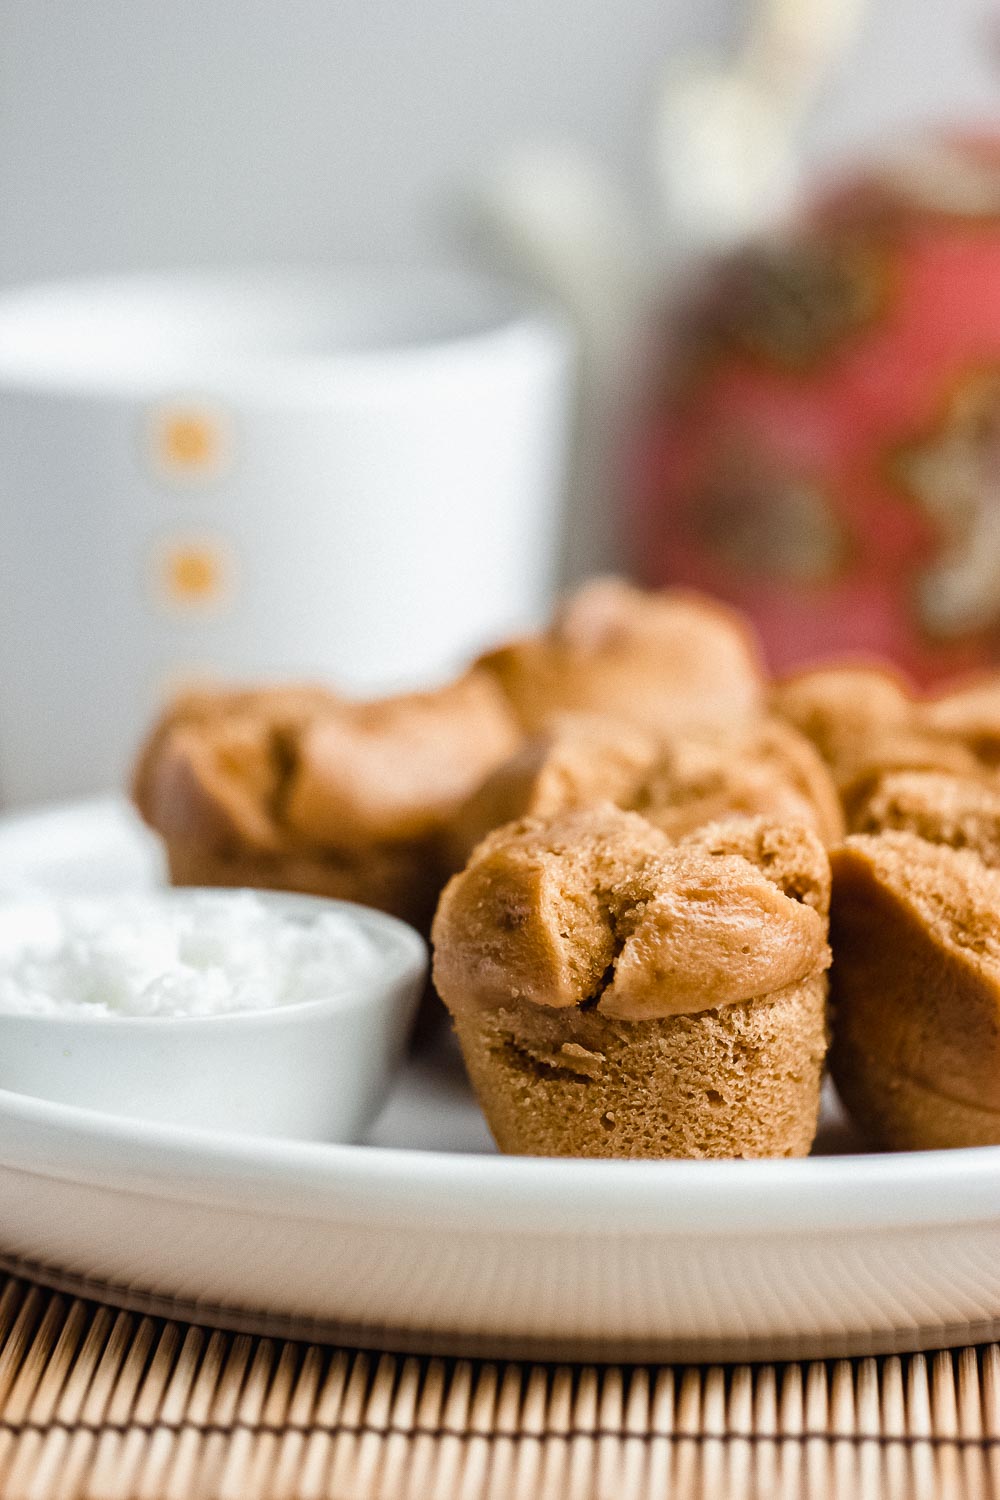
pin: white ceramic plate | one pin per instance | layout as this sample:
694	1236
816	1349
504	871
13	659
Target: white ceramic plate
425	1238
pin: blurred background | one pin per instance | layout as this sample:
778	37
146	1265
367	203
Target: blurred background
737	328
137	134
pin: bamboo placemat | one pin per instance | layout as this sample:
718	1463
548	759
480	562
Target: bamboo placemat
99	1404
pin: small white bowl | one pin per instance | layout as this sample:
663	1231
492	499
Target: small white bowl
312	1070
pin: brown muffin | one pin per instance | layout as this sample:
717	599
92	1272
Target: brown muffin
970	714
796	863
867	724
616	995
661	661
842	708
892	754
960	811
916	990
578	761
768	770
677	784
301	790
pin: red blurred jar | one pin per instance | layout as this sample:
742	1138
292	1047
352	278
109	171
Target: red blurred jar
824	450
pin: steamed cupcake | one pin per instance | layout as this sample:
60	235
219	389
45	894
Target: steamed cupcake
615	994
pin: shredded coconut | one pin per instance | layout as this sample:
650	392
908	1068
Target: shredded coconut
204	954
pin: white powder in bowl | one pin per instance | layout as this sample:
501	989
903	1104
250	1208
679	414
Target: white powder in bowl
205	953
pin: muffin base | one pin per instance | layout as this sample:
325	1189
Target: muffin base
896	1113
740	1081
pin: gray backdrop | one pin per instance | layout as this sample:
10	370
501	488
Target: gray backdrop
143	132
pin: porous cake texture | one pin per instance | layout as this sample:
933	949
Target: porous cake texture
615	994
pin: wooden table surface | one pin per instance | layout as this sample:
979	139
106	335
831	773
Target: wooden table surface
99	1404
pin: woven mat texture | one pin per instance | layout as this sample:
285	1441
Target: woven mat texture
97	1404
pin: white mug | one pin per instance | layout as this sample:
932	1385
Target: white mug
350	476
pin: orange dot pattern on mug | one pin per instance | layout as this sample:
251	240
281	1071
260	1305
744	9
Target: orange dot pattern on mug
193	575
189	442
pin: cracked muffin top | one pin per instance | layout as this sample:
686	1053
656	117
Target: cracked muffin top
868	725
662	661
678	784
598	909
281	767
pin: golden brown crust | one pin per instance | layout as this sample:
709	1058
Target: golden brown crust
662	661
896	1113
916	977
916	986
212	764
914	750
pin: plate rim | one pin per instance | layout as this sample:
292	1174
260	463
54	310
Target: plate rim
545	1195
